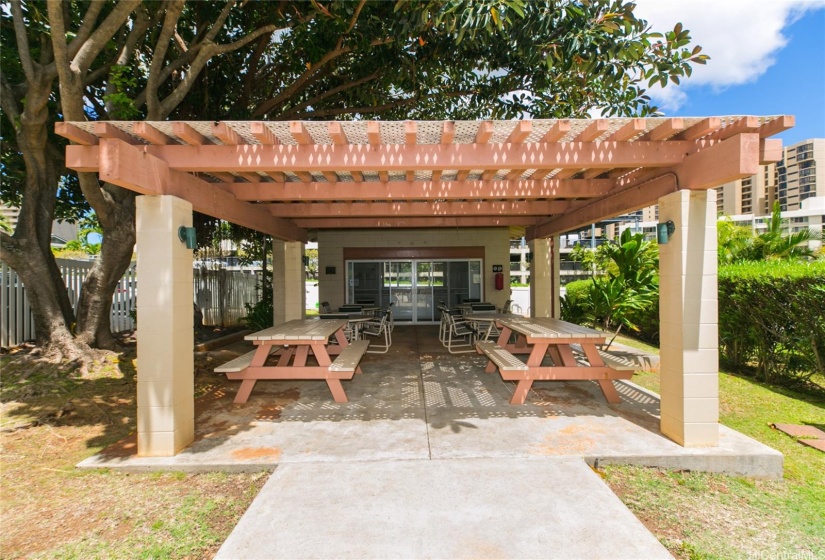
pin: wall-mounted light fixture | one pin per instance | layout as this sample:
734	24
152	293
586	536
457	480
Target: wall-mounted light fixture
187	235
664	231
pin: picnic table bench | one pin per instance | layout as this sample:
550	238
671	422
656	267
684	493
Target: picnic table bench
572	349
292	343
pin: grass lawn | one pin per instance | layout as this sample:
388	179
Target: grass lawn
701	515
51	421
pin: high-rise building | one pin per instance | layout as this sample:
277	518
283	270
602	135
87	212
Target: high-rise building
751	195
801	173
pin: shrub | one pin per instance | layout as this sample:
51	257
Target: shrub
772	318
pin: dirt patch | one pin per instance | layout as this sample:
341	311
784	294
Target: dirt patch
257	453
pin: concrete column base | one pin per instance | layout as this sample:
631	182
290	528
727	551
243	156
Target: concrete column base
165	336
544	278
288	281
688	313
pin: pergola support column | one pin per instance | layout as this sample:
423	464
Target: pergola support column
165	371
545	277
288	281
688	313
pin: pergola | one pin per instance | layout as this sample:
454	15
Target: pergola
291	179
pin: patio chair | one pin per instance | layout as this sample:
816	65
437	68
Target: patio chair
325	308
506	307
482	307
349	331
379	328
460	335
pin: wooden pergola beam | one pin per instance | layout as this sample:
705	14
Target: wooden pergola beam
134	169
422	157
432	222
424	190
422	209
725	161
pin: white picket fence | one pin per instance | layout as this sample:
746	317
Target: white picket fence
221	295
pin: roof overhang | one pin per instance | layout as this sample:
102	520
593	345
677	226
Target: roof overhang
548	176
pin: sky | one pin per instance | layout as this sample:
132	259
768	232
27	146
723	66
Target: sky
767	58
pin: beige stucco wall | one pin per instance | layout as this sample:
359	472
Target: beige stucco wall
331	244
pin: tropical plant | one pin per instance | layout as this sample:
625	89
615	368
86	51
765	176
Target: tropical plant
739	244
627	287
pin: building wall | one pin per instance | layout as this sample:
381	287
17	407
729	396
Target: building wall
801	174
331	245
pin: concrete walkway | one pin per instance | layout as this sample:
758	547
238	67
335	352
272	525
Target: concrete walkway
452	508
429	460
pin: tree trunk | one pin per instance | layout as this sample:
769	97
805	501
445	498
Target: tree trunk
28	251
94	309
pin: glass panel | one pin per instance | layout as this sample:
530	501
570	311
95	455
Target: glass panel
401	289
365	283
424	291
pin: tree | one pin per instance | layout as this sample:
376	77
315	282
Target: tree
122	59
153	59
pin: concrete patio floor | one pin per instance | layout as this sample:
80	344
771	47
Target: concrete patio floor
420	402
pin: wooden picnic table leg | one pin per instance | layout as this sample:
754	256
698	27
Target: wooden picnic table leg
520	394
335	387
286	355
301	353
259	359
595	360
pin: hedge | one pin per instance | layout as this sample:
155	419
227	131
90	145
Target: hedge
772	318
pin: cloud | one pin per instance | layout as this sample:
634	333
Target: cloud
742	37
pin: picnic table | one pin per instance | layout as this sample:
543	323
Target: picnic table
572	348
292	343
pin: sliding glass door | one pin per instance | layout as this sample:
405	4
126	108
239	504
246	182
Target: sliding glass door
415	287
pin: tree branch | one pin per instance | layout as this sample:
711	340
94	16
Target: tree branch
329	93
173	13
97	41
204	55
355	16
218	25
8	102
353	110
89	21
279	99
22	38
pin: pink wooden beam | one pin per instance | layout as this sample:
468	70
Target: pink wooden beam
520	132
226	134
463	174
702	128
331	176
488	174
134	169
770	150
592	173
665	130
485	132
337	134
108	130
414	222
381	209
300	133
189	135
743	125
374	133
725	161
423	190
251	177
594	130
410	176
447	132
422	157
411	133
777	125
628	131
557	131
75	134
514	174
151	134
262	134
566	173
